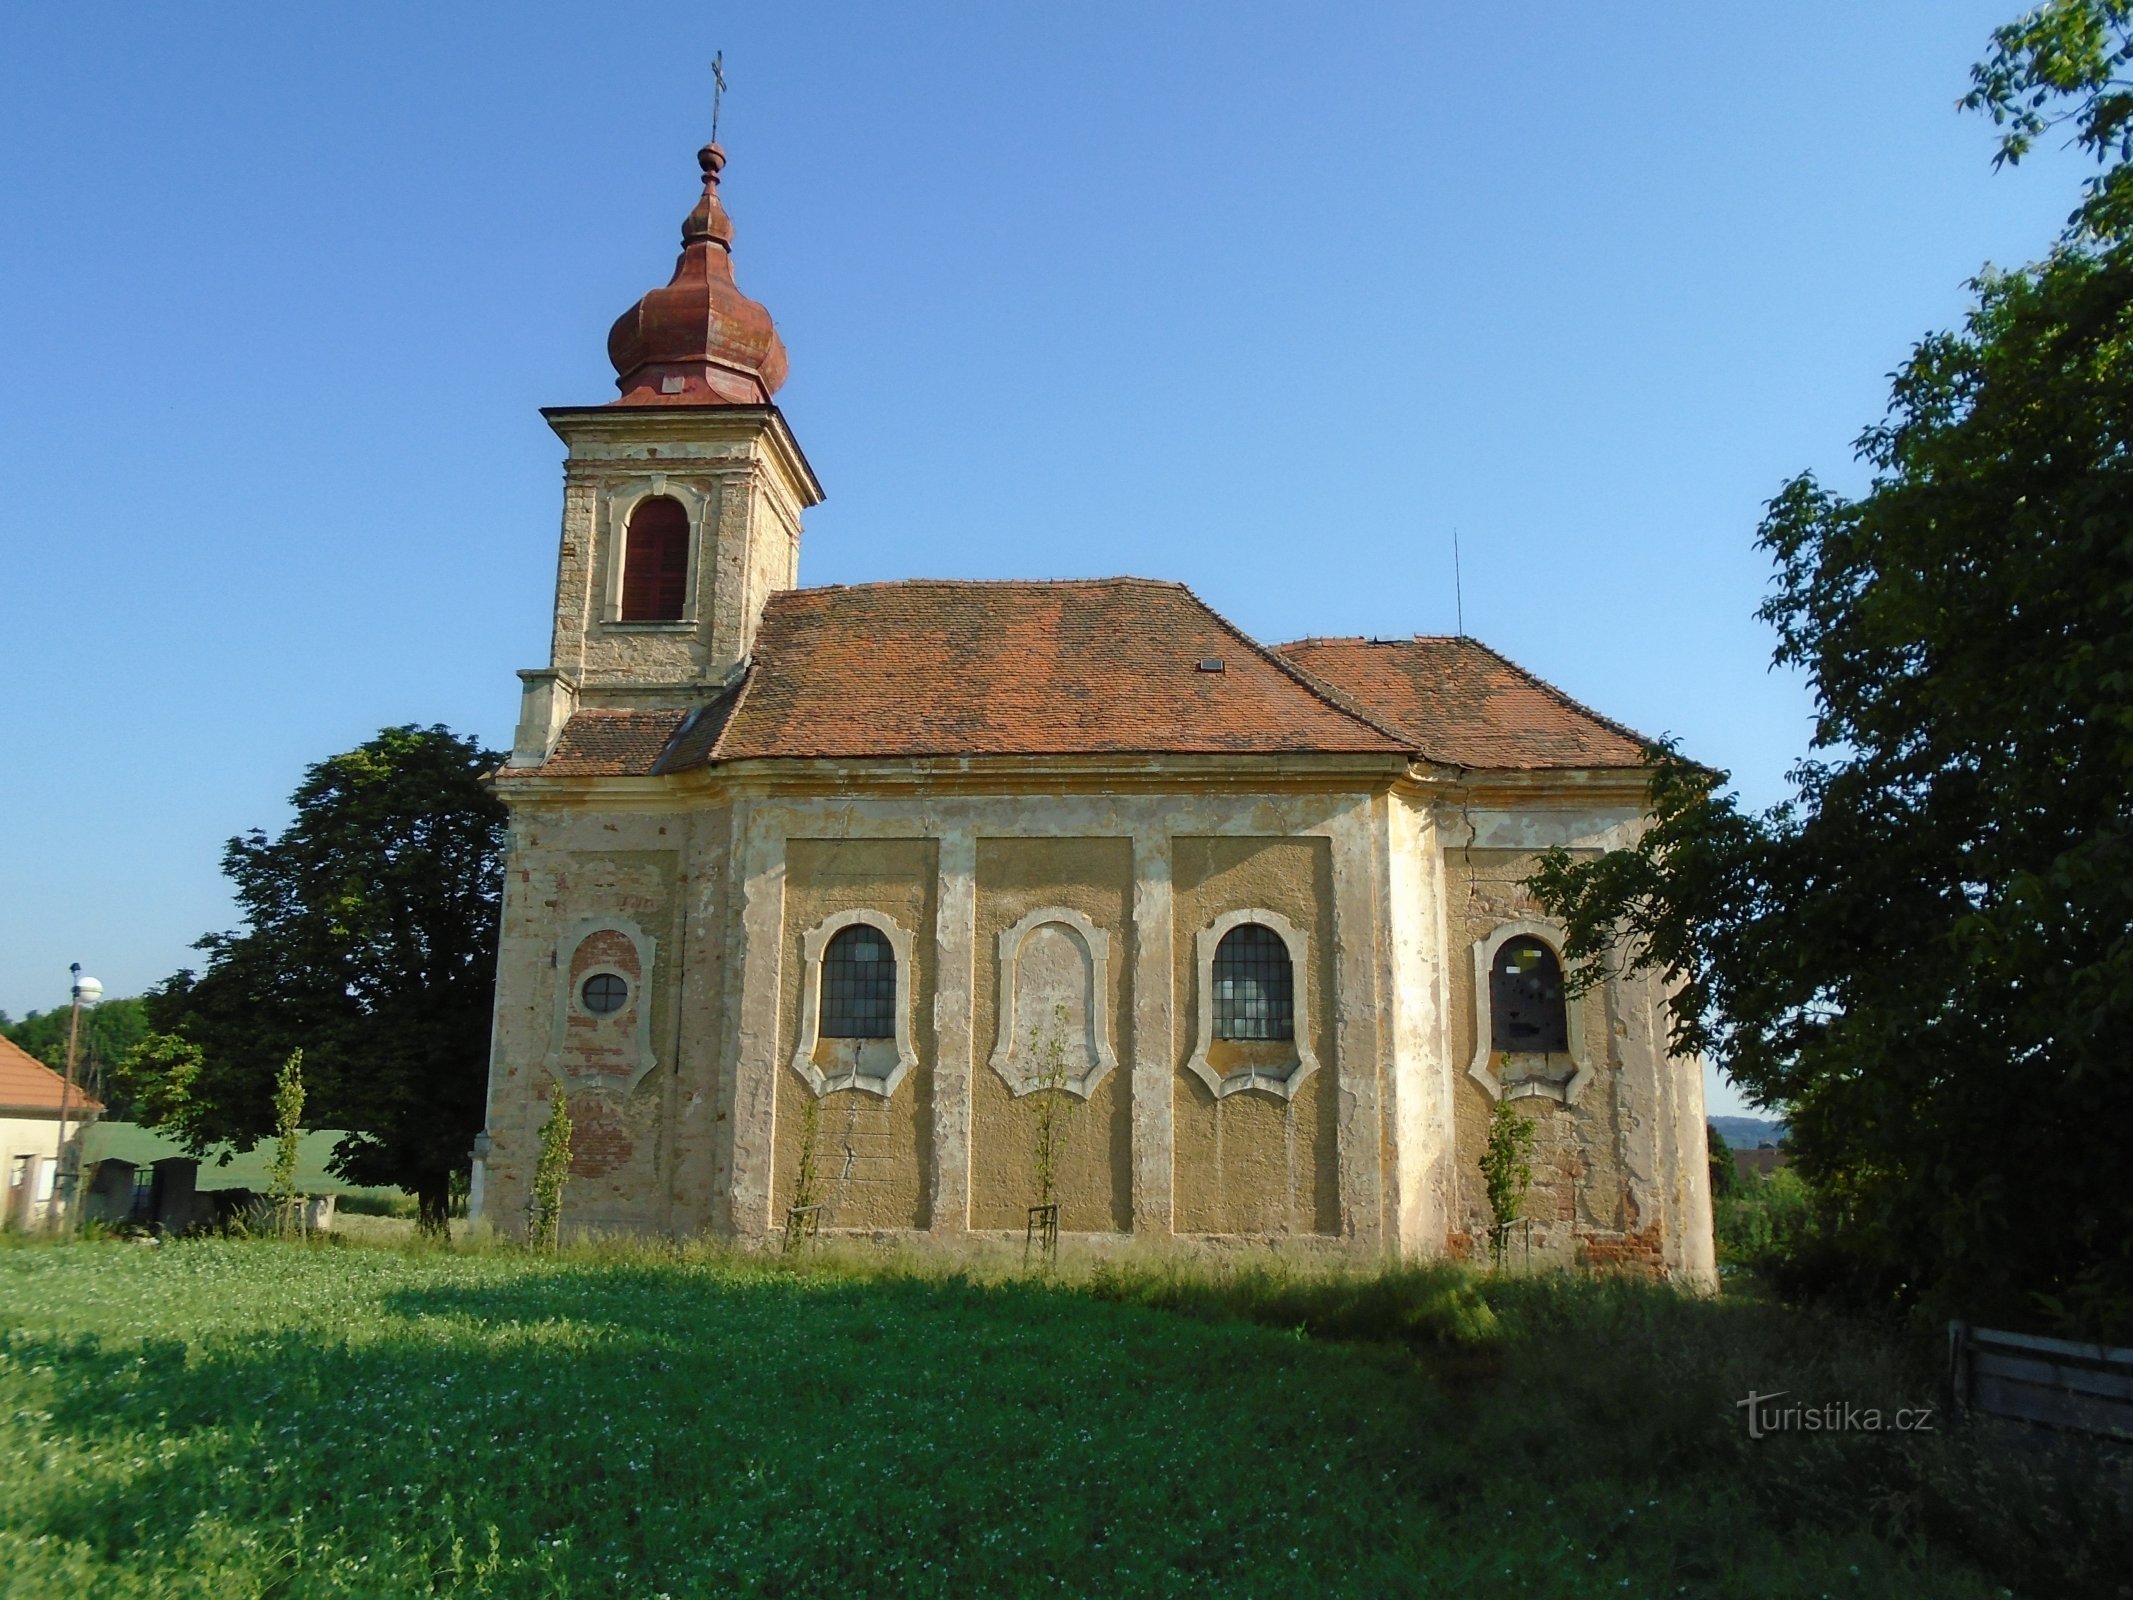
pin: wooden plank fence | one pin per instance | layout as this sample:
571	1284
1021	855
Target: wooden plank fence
2056	1382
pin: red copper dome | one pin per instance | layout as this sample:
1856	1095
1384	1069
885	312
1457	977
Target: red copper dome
698	341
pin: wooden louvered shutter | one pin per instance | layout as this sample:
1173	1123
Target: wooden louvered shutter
655	562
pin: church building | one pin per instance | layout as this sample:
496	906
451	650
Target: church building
862	909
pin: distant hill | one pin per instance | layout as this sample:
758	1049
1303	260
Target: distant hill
1745	1133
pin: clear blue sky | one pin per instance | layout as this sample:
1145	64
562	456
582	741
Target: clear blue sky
1268	299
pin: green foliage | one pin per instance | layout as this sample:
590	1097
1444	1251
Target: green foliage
1926	957
1506	1172
371	943
244	1420
2063	64
1765	1223
551	1171
157	1077
1725	1171
395	1203
109	1033
288	1132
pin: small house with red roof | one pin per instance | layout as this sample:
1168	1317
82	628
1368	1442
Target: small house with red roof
941	909
41	1121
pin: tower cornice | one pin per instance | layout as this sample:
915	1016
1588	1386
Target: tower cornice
585	429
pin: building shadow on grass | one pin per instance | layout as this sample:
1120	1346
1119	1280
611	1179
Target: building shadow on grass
617	1431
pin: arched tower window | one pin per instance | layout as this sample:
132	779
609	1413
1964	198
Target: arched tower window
1526	1011
859	985
655	562
1255	985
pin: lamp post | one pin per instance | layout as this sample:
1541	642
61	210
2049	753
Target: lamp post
87	991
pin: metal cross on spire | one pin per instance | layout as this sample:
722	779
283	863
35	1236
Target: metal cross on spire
718	90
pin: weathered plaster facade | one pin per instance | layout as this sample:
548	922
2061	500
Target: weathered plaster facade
719	879
693	829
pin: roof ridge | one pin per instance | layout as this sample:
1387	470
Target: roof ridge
1309	682
1417	740
1318	638
1642	741
1114	580
712	756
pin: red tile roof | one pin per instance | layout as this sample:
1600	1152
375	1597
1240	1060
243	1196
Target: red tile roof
1074	667
930	667
1465	705
27	1084
612	743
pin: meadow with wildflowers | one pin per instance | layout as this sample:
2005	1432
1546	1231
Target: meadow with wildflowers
251	1418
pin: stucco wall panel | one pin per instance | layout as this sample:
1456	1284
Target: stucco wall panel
1092	876
1603	1166
565	869
1254	1163
874	1155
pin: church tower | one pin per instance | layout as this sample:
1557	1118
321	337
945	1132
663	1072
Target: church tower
682	498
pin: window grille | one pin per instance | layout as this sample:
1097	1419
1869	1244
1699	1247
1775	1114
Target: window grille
604	993
655	562
1526	1012
1255	985
859	985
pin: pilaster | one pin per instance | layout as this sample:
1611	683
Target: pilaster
954	1047
1356	1031
753	1067
1154	1040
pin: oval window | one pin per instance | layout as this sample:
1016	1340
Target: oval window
604	993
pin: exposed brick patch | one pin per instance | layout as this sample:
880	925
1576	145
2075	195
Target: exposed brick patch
606	948
1638	1251
600	1142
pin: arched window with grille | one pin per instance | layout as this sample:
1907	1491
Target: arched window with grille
655	562
858	985
1527	1014
1254	985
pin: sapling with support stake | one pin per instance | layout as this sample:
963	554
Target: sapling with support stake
1506	1175
551	1170
803	1218
1048	1046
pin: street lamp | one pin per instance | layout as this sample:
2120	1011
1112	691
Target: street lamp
87	991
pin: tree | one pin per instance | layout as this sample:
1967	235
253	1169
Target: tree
1725	1171
1927	955
371	946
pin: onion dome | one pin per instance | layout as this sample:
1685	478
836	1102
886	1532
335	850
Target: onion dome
698	341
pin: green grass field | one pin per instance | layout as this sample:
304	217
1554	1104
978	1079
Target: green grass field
231	1419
